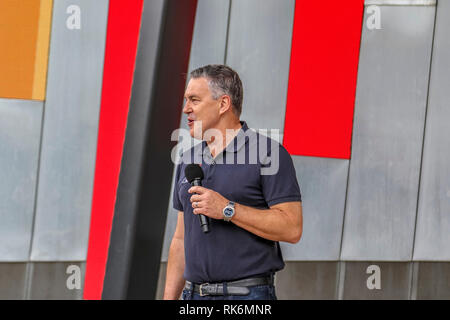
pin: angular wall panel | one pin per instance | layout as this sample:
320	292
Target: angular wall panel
139	219
24	35
42	50
70	131
124	22
259	47
20	132
323	185
118	257
387	135
322	78
432	240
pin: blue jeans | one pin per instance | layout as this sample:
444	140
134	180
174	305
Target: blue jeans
263	292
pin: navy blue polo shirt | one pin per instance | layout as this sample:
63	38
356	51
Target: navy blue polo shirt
254	171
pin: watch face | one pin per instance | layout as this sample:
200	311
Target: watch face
228	212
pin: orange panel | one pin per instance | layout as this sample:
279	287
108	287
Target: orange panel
24	37
42	47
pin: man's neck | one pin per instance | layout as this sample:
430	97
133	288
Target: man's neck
215	145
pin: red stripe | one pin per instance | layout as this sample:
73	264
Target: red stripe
322	78
124	23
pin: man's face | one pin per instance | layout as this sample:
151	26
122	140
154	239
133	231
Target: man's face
200	106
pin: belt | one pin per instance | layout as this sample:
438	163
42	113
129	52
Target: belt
239	287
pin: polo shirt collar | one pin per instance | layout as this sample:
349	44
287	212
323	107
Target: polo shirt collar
234	146
240	137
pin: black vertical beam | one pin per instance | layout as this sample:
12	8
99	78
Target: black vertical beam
144	184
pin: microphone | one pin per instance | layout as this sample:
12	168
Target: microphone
194	174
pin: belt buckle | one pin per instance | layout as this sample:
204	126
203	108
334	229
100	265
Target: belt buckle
201	289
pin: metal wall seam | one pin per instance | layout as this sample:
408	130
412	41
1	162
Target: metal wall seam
20	131
432	241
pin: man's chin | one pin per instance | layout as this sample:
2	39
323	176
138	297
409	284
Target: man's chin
198	137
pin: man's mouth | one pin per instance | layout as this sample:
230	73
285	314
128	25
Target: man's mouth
190	122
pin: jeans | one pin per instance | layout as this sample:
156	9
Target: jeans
263	292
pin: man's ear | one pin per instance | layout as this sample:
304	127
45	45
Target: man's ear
225	104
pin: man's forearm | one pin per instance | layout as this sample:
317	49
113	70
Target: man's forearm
282	222
272	224
175	269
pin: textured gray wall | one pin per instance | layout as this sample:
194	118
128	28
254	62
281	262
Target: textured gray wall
386	204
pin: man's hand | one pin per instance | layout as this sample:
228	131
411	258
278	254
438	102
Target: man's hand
207	202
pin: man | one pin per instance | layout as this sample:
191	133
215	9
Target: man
249	211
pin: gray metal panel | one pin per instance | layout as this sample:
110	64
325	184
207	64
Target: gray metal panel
210	33
323	185
208	47
20	132
307	280
259	48
387	136
433	281
70	133
432	240
49	281
12	280
395	279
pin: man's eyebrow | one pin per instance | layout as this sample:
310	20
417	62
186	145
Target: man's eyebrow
191	96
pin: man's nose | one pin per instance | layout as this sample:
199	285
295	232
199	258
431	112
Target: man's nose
187	108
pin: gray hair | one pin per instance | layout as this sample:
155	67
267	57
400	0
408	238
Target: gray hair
222	80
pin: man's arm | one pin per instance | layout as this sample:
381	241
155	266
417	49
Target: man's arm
282	222
175	263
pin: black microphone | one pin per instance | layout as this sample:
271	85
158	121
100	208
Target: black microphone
194	174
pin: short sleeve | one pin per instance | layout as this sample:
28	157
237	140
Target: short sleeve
177	205
280	185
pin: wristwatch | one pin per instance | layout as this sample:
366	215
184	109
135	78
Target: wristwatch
228	211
